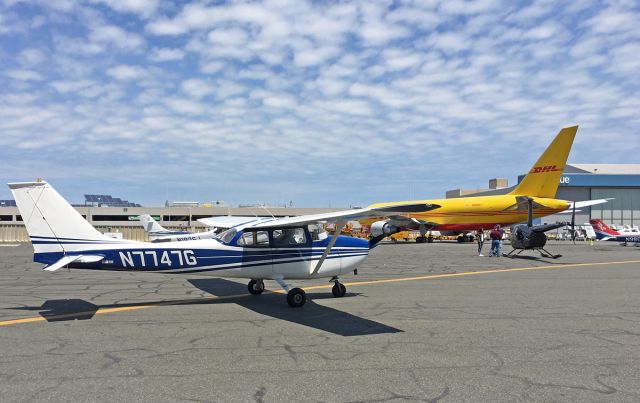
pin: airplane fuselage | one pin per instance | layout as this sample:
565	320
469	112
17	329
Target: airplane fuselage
472	213
215	257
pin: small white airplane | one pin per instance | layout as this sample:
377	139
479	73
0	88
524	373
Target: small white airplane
158	233
254	248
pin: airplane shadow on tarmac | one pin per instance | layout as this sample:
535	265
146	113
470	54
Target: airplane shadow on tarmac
311	315
268	304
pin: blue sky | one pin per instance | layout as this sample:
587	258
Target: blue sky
321	103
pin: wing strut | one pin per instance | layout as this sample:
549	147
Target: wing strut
332	242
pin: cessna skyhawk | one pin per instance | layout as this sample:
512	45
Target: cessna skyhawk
254	248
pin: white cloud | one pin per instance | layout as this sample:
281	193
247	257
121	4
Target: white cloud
144	8
126	72
25	75
196	88
228	37
166	54
31	57
187	106
286	102
116	37
314	56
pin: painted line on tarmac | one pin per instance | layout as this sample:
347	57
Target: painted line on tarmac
107	310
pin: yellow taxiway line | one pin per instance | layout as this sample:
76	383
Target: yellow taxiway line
316	287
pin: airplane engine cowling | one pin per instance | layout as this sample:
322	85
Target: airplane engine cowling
383	228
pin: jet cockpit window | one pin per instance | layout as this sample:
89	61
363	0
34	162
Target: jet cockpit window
255	239
288	237
317	232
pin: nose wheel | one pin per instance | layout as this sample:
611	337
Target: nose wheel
256	287
338	290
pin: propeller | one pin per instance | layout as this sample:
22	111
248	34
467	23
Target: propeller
573	223
529	212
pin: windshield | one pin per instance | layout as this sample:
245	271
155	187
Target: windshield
227	236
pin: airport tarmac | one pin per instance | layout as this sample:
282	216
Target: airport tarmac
423	322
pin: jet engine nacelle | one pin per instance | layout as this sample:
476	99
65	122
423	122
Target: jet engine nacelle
383	228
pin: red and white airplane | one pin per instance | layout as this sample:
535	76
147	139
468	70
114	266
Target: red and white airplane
606	233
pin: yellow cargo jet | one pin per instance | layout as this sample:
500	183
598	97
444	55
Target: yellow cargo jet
471	213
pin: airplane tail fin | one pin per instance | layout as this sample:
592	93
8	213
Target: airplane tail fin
600	226
151	226
544	177
50	220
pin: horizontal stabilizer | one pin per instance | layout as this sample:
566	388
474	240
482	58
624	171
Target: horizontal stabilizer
587	203
70	259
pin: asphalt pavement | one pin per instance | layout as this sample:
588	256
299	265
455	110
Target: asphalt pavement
420	322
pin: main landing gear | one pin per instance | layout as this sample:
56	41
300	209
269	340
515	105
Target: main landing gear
256	287
296	297
338	290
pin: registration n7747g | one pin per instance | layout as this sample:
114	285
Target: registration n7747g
153	258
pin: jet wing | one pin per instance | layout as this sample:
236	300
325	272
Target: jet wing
345	215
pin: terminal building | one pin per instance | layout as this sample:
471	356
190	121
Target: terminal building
587	182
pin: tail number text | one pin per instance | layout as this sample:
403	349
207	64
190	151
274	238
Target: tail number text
152	258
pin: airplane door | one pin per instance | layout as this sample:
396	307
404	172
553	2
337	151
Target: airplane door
256	254
291	252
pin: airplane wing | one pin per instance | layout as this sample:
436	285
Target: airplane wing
230	221
345	215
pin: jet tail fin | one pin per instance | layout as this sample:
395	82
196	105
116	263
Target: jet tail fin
544	177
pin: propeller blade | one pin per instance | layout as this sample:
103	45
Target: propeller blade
573	223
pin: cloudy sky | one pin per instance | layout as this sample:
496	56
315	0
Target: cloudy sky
321	103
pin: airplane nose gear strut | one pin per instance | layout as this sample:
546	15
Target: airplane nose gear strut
256	287
338	290
296	297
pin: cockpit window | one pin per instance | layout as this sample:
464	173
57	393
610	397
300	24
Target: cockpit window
287	237
254	239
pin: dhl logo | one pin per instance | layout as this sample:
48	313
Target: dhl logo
546	168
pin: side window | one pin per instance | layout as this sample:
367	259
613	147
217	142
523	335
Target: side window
254	239
288	237
317	232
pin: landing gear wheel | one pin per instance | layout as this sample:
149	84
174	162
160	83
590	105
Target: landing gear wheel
421	239
256	287
296	297
338	290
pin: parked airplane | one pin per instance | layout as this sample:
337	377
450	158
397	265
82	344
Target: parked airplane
606	233
258	249
158	233
474	212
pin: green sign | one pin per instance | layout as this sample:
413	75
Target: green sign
137	217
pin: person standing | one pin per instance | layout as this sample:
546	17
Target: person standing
480	240
496	241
